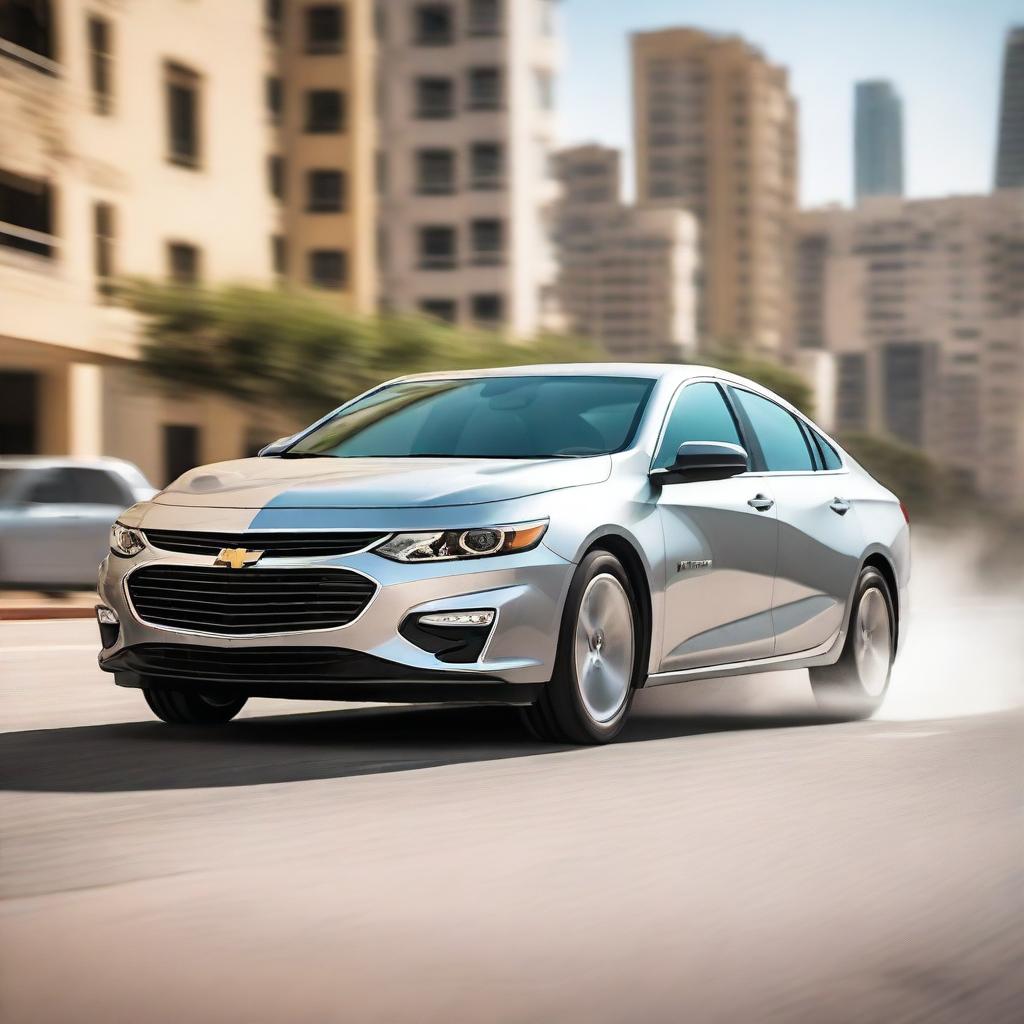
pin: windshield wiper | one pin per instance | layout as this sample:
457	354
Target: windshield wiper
306	455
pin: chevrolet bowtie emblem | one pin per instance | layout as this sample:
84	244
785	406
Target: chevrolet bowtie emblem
238	558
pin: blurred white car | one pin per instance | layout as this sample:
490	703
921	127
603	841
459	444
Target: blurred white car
55	516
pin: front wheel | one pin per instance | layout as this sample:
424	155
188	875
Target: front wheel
187	707
598	661
855	685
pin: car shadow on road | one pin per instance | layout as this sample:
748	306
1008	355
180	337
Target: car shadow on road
290	748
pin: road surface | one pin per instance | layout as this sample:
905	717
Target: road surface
731	859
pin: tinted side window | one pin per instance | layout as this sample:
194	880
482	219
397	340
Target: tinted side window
54	488
828	454
779	434
94	487
700	414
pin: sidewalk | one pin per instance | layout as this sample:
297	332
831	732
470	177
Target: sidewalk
27	604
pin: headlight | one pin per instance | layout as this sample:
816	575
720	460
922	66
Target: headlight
125	541
447	545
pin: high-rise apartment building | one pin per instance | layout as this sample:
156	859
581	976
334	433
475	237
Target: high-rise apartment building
321	163
921	304
464	138
627	274
877	140
132	143
1010	148
715	131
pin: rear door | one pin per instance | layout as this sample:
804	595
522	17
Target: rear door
721	541
820	535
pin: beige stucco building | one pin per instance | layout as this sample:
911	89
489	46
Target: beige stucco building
715	129
129	146
627	274
921	303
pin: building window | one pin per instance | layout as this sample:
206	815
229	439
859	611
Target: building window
27	215
440	309
29	24
435	98
182	86
103	247
274	98
437	247
183	263
486	165
181	449
325	191
484	89
279	255
488	309
325	28
273	18
545	89
433	25
484	17
325	111
276	175
488	242
100	65
435	172
328	268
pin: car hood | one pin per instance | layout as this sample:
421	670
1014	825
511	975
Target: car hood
375	483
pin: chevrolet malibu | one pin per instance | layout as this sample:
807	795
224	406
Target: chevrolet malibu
550	537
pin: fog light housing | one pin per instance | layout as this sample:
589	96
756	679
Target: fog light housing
456	637
109	623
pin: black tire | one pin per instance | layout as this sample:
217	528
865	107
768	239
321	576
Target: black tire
855	686
561	714
192	707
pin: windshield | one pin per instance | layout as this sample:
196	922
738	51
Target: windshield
485	418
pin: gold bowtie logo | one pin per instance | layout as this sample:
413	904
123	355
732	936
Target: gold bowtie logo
238	558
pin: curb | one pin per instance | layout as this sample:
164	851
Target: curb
42	612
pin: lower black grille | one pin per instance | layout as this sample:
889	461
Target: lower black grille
273	545
226	664
232	602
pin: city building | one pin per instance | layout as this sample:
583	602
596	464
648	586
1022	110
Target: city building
321	156
627	274
128	144
921	303
714	129
1010	148
466	94
877	140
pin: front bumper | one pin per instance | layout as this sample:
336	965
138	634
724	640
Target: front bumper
369	658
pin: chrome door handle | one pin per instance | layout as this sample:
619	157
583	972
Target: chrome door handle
761	503
840	506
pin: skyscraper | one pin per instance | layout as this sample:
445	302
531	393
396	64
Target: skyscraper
878	140
715	132
1010	152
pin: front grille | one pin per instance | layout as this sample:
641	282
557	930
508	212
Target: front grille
227	664
273	545
232	602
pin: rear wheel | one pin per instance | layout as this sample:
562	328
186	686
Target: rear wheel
597	664
181	707
855	685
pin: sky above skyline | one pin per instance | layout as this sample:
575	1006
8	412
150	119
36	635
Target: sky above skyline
943	56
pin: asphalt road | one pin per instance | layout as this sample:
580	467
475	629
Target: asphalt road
731	859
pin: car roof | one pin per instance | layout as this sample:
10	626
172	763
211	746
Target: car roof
655	371
63	461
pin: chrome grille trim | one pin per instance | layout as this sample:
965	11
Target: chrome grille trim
274	544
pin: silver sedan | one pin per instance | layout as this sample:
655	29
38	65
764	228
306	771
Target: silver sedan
553	537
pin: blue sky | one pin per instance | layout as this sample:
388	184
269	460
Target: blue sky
944	57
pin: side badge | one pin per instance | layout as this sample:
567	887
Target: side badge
701	563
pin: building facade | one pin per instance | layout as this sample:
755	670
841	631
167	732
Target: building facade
877	140
1010	147
714	129
921	304
627	274
465	134
127	148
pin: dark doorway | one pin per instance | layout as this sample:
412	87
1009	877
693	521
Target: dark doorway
181	449
19	413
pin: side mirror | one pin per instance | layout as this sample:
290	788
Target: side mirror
703	460
276	447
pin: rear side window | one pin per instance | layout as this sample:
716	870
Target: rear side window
95	487
700	414
777	431
829	456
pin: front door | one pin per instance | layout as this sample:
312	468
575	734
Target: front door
721	546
